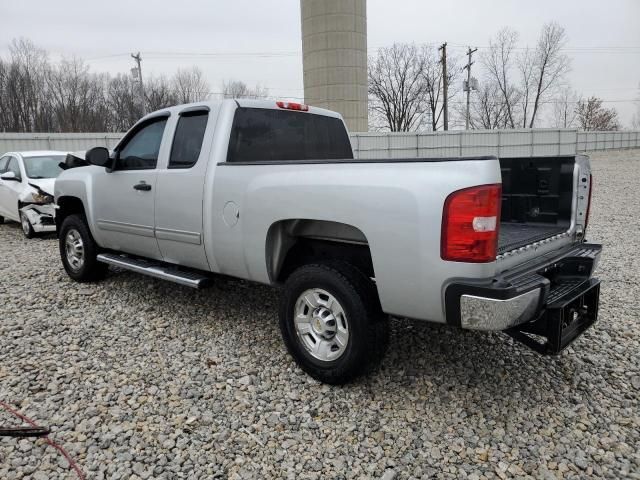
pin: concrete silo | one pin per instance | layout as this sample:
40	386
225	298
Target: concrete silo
334	49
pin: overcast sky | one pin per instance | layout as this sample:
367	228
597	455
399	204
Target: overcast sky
259	40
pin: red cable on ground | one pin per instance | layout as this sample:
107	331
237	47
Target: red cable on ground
64	453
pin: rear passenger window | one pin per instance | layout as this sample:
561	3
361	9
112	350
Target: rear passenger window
262	134
187	141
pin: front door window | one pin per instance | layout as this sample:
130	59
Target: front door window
140	152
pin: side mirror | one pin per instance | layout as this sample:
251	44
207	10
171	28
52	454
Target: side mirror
98	156
10	177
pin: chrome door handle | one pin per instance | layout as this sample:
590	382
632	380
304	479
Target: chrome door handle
145	187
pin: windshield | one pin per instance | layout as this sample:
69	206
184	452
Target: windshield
43	167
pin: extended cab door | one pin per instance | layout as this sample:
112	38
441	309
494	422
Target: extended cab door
123	199
179	193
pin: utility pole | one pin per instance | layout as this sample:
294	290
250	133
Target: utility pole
445	86
138	60
468	67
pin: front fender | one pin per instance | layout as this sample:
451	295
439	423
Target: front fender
78	184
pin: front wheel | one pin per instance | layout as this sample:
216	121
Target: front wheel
27	228
332	323
79	250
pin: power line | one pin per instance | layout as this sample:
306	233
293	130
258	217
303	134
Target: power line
457	102
160	55
107	56
594	49
624	49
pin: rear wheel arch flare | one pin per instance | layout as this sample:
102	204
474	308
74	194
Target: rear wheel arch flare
291	242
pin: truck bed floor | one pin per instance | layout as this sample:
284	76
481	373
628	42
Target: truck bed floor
516	235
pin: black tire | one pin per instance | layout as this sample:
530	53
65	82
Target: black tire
90	270
26	226
1	220
368	326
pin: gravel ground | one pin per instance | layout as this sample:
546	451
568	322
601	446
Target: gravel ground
143	379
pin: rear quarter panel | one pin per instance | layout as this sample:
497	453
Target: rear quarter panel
397	206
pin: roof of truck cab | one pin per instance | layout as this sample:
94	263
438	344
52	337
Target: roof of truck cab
240	102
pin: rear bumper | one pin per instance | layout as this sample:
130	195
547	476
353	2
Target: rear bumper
486	313
539	293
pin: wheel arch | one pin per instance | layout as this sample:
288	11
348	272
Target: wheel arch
291	243
68	205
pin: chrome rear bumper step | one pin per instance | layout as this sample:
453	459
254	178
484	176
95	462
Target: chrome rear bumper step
156	270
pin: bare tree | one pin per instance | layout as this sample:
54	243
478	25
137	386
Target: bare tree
159	93
77	98
549	64
38	95
122	98
527	79
396	87
592	115
239	89
23	98
498	61
564	108
190	85
4	96
488	111
526	65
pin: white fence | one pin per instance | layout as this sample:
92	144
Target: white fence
590	141
68	142
502	143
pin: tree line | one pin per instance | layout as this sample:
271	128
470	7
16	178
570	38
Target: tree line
37	95
519	87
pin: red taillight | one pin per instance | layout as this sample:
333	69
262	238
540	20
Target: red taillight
586	218
470	223
293	106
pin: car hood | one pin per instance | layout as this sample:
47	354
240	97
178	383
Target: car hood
44	184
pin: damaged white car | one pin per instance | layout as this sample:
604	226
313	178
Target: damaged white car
26	189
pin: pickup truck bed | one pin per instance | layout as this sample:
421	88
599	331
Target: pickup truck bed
537	196
516	235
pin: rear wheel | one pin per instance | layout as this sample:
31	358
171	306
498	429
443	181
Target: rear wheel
79	250
1	220
331	322
27	229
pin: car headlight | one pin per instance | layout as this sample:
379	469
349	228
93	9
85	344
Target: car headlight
41	198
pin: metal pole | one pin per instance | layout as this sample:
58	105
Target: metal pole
138	60
468	67
445	112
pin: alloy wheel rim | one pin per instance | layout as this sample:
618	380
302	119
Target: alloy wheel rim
321	324
74	248
26	226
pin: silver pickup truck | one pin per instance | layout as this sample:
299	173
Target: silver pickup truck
270	192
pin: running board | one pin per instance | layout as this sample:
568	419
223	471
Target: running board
156	270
